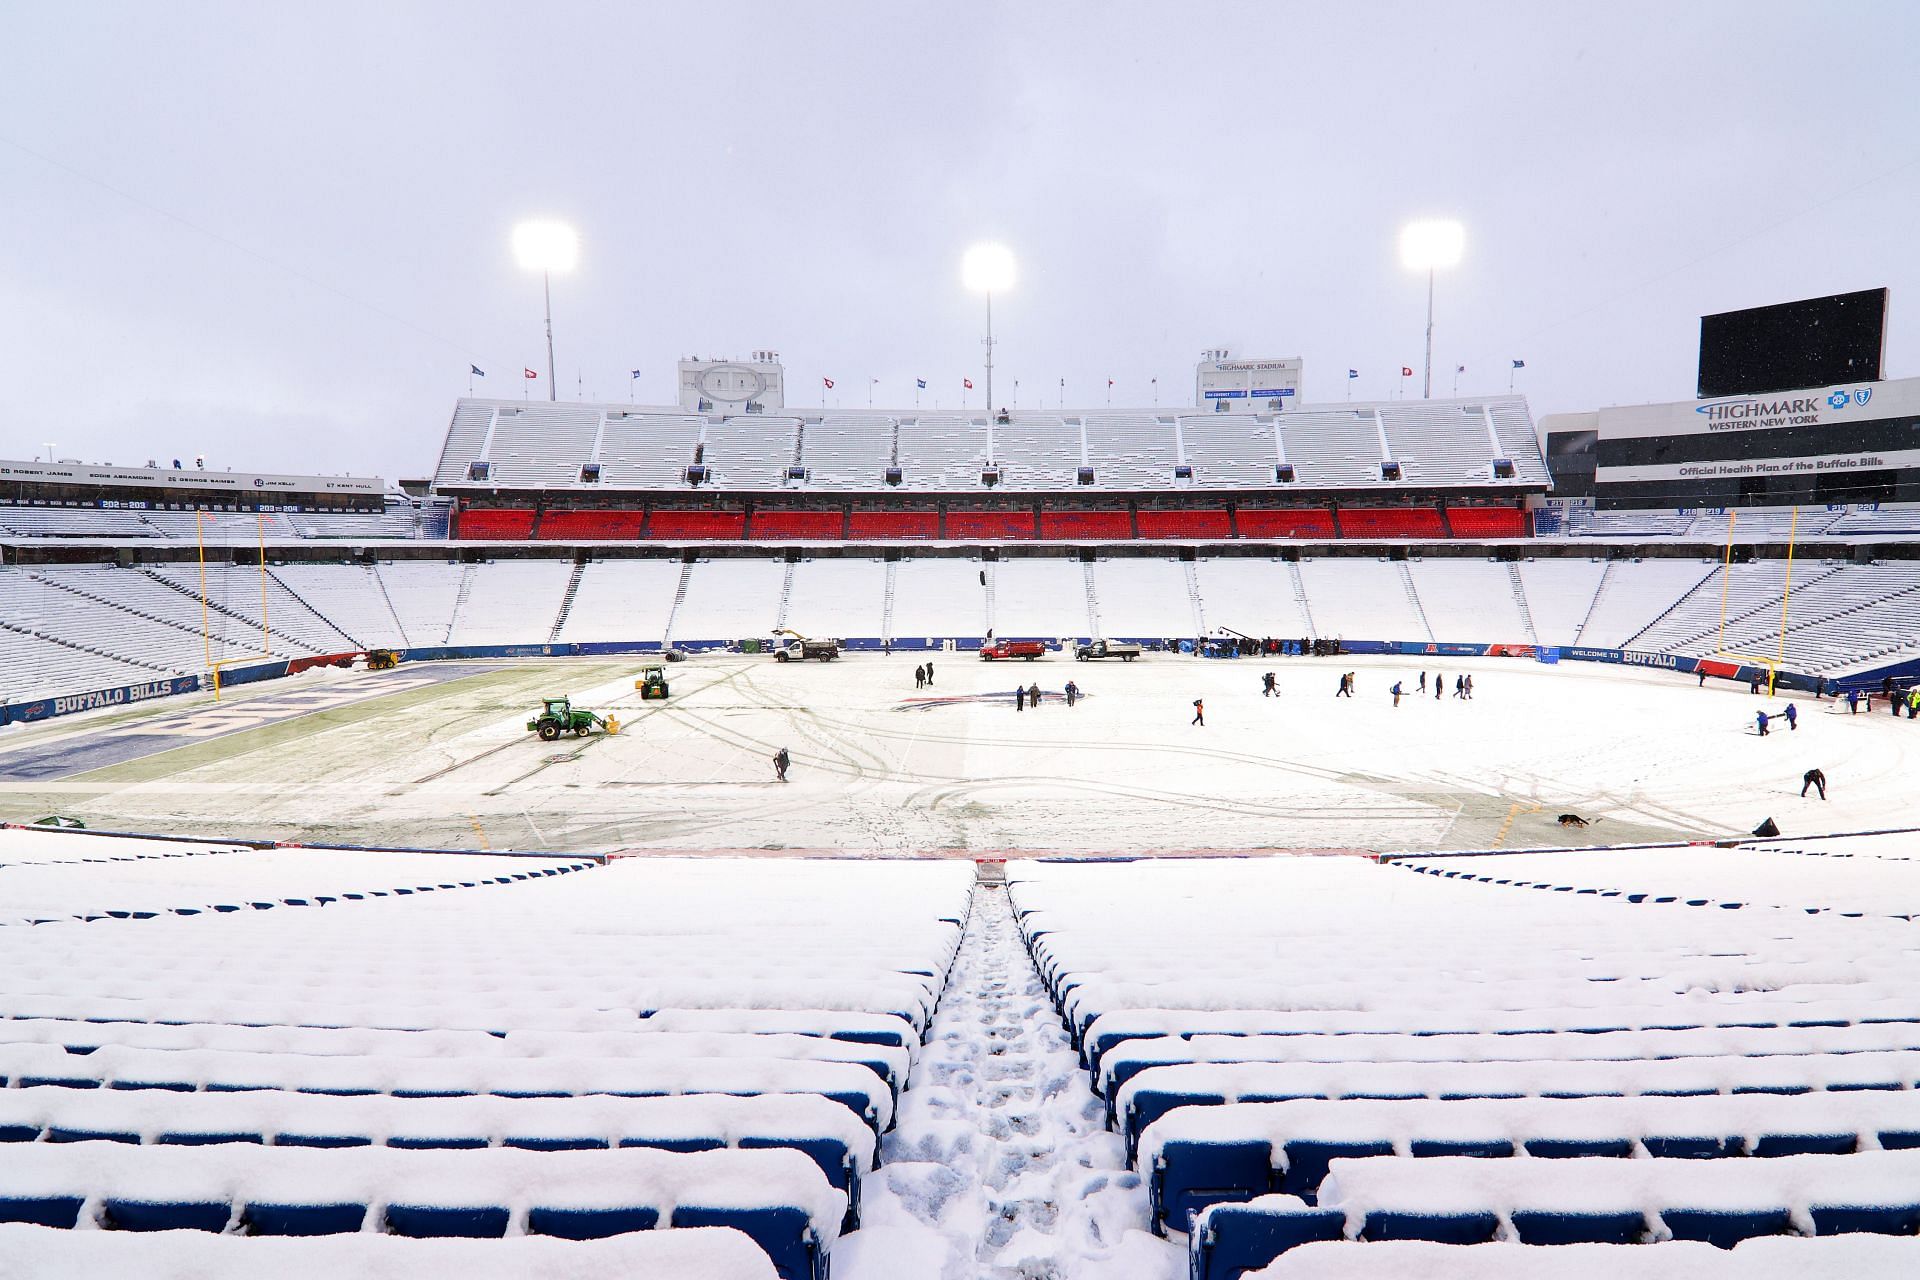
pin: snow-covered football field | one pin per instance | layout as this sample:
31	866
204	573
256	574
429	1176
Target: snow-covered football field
879	766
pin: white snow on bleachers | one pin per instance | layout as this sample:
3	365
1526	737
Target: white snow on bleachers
1037	451
1253	596
730	600
1149	598
1559	594
848	451
752	451
697	1253
942	452
1636	592
837	598
74	522
939	598
1361	599
423	593
51	875
1865	1257
509	602
1039	598
1334	446
1754	876
1130	450
1439	443
543	445
1468	600
1229	450
622	600
646	449
349	596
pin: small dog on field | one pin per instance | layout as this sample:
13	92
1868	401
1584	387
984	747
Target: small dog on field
1572	820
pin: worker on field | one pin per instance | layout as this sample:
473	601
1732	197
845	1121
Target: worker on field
1033	695
780	762
1816	779
1019	698
929	670
1268	687
1073	693
1396	693
920	677
1199	714
1760	719
1853	702
1793	717
1423	684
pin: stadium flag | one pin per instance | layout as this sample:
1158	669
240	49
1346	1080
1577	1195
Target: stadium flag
1405	372
967	383
476	371
1352	374
1459	368
1519	364
528	373
636	373
919	384
827	382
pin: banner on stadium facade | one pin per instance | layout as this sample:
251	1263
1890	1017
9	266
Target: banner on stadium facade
122	695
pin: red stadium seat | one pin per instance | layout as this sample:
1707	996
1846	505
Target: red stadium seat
1085	524
698	525
1201	523
775	525
1487	522
1391	522
963	523
870	525
589	526
1267	522
508	525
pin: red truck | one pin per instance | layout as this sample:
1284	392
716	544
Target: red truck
1028	649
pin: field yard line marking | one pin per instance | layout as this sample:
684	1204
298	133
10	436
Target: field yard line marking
474	821
1514	810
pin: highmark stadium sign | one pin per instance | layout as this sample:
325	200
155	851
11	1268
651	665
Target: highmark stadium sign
1851	427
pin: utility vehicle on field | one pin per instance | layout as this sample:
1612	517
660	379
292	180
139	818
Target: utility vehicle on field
559	715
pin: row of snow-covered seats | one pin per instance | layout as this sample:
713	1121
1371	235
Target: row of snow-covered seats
680	1045
709	1253
1766	1258
1436	443
1255	1023
48	875
1870	875
1464	1200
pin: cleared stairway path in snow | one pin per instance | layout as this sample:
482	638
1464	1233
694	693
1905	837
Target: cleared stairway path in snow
1000	1166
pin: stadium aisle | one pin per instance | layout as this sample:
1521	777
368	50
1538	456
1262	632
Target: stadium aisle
1000	1165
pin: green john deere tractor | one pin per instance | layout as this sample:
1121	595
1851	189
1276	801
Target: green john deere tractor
559	715
652	683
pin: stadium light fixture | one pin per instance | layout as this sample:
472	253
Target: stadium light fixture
1428	246
988	269
547	247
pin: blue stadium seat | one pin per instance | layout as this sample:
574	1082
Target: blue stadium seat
1440	1228
1541	1226
1885	1220
786	1234
41	1211
590	1224
1307	1163
1231	1238
1724	1228
426	1221
167	1215
267	1219
1194	1175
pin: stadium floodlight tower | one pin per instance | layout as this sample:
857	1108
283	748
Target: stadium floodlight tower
1428	246
547	247
988	269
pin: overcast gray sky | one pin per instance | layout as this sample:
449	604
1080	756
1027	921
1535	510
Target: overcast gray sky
278	234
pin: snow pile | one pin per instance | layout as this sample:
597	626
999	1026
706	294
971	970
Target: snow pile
686	1253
